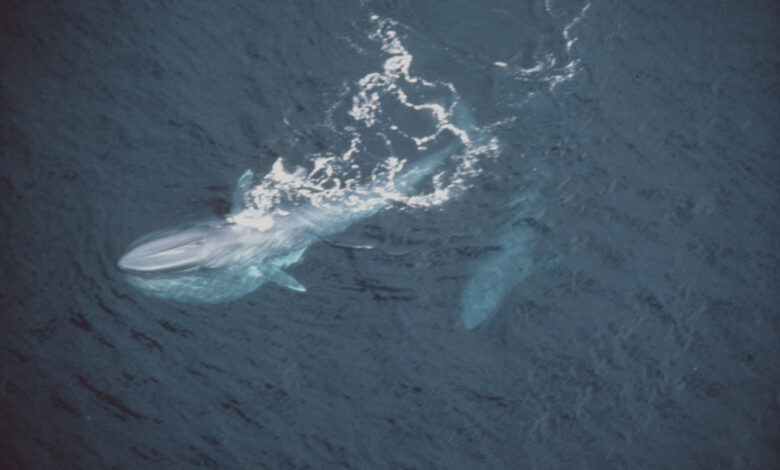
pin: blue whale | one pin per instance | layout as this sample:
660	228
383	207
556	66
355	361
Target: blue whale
224	259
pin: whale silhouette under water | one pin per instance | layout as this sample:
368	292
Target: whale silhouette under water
224	259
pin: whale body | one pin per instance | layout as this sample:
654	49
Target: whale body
224	259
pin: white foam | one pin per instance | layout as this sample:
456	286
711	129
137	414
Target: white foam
356	176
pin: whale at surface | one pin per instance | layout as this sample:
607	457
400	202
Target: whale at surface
224	259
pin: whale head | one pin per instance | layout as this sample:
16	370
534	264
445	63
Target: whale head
182	249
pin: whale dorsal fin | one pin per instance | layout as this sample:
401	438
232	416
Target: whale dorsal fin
242	188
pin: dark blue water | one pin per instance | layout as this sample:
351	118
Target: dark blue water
601	291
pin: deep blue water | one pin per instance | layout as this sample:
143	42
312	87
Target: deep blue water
599	289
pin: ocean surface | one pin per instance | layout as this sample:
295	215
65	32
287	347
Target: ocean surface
590	279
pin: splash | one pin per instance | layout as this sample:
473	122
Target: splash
553	68
392	119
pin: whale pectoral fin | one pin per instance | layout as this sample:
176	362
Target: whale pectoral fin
348	243
242	188
276	275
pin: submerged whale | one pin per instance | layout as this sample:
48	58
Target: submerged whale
224	259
